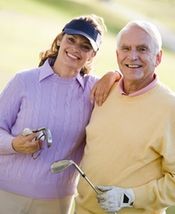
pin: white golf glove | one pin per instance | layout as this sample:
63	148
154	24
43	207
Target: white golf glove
112	198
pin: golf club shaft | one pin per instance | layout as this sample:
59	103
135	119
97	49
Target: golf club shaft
86	178
89	182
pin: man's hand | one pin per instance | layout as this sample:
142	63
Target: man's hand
112	199
101	89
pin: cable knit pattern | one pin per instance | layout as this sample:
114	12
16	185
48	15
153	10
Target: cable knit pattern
40	98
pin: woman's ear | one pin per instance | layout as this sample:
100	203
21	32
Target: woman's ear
94	53
91	56
59	39
58	42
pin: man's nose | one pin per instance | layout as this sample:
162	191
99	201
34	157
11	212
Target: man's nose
133	54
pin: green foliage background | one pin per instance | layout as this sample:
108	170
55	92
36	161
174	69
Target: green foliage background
28	27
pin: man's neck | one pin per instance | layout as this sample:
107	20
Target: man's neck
133	86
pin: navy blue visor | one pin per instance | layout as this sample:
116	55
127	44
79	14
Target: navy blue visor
86	29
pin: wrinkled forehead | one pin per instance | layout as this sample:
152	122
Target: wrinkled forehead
135	35
136	29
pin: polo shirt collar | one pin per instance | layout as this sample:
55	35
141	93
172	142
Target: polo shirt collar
139	92
47	71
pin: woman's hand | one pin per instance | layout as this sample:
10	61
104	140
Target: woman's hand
26	144
101	89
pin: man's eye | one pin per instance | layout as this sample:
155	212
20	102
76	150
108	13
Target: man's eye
125	48
142	49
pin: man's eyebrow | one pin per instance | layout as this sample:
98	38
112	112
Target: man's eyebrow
143	46
124	45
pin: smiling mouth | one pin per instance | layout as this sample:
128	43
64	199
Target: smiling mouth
133	66
72	56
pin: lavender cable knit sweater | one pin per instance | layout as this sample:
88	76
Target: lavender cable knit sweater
40	98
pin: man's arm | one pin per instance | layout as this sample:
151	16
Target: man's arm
156	194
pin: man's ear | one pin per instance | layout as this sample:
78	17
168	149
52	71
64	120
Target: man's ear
116	52
116	55
158	58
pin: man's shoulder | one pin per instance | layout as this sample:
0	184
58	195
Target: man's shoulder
166	95
166	90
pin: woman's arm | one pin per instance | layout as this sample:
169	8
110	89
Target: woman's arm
10	101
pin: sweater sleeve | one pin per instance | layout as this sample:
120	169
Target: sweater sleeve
159	194
10	100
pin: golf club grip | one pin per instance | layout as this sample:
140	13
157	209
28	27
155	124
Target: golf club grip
86	178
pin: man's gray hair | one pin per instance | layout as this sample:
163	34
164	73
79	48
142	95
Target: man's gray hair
146	26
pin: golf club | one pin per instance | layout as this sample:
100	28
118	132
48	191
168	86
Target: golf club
42	134
60	166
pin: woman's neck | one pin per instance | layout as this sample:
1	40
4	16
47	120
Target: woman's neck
64	71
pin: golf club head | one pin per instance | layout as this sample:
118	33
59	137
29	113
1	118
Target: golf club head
60	166
48	137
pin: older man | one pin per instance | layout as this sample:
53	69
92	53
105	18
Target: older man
130	151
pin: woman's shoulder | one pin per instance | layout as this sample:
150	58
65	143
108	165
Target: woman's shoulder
90	80
28	74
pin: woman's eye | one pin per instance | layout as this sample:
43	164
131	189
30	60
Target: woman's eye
70	40
86	48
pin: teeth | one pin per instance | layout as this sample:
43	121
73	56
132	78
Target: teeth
72	56
133	66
